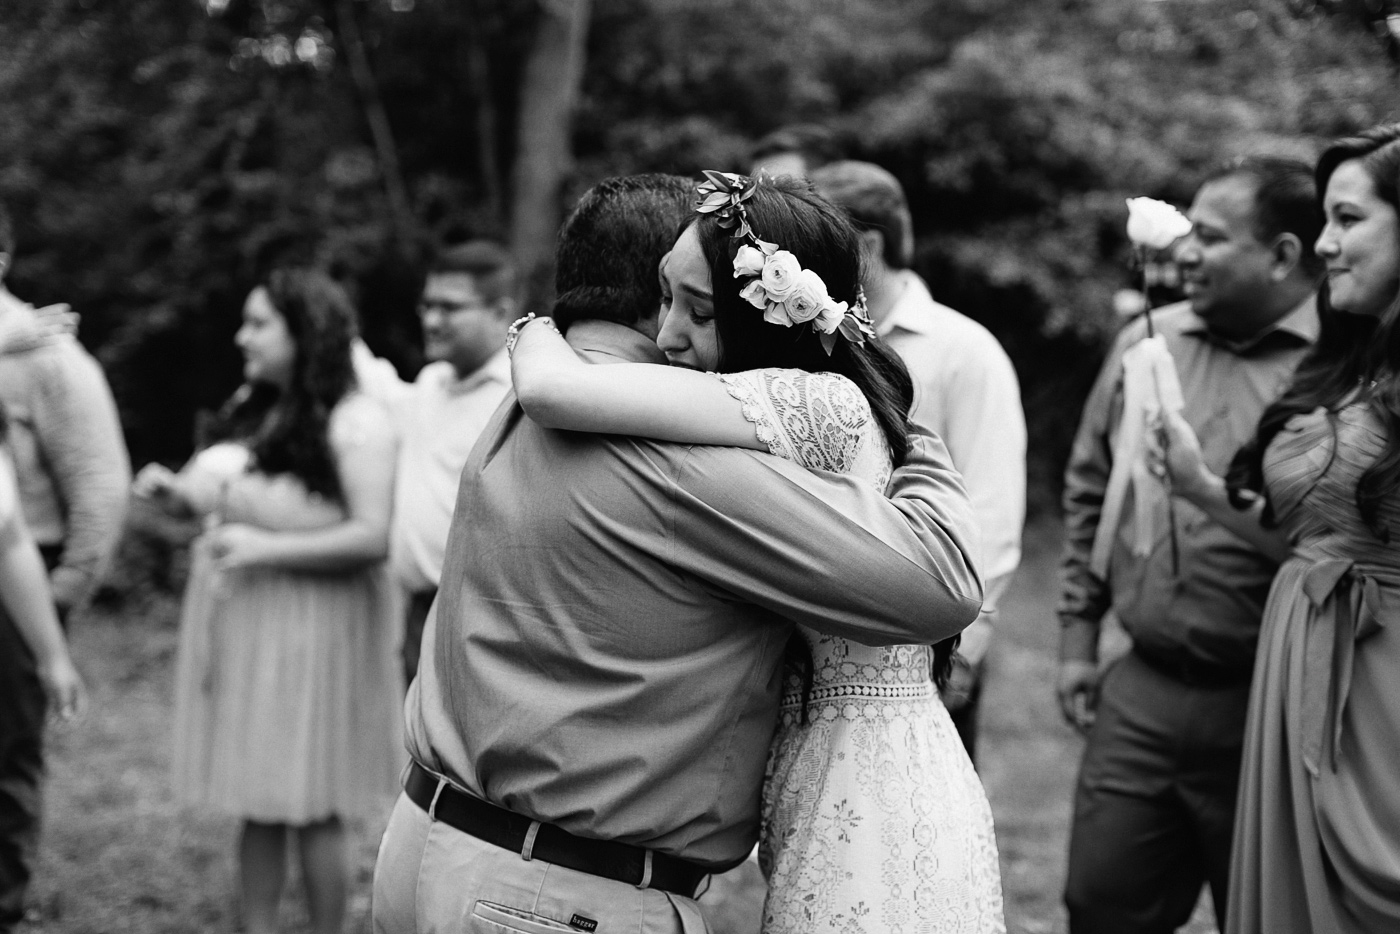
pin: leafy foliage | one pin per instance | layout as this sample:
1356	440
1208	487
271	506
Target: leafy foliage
159	153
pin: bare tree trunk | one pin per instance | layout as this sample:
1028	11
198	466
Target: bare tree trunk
400	214
549	92
487	135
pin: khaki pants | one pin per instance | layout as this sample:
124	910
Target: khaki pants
433	879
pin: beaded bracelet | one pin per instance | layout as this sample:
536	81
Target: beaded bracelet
516	326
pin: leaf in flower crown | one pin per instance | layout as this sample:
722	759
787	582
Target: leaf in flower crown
716	200
719	179
768	248
828	341
749	190
852	330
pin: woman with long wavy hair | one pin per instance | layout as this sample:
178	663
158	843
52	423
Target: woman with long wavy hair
1317	832
873	818
287	697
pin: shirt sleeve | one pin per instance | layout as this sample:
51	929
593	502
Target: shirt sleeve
830	551
986	436
76	424
1084	596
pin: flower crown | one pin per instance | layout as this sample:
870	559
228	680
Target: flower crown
786	293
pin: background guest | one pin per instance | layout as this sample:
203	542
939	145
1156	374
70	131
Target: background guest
468	301
1155	803
37	672
287	702
72	471
965	391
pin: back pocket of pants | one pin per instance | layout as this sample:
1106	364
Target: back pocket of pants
491	918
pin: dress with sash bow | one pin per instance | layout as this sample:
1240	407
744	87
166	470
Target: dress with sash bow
1317	833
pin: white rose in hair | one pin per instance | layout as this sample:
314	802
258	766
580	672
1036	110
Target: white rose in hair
829	319
777	314
807	298
780	272
1155	224
754	294
748	262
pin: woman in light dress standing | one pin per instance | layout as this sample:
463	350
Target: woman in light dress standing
873	818
287	702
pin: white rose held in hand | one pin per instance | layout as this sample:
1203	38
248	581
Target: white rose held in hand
1155	224
780	272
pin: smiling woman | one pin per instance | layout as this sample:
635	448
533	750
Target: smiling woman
1361	242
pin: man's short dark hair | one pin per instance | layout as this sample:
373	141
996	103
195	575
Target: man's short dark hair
1285	201
488	263
816	144
874	199
609	247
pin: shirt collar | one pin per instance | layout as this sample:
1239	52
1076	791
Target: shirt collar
496	369
1300	324
911	309
615	341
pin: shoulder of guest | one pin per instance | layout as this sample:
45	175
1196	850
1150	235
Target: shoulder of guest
435	375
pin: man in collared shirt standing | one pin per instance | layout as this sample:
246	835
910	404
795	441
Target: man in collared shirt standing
73	472
1154	806
965	391
467	301
600	671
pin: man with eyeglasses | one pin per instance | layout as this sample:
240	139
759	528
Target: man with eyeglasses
467	303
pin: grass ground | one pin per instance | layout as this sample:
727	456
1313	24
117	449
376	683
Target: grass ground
118	858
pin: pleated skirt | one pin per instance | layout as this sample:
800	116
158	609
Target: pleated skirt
288	707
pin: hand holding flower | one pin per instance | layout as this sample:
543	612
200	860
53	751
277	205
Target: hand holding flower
1174	453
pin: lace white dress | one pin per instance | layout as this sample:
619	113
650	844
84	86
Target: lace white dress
873	817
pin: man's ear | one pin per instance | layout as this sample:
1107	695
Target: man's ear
1287	253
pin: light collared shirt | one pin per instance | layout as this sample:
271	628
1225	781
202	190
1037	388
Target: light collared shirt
1208	610
439	417
966	392
69	454
605	647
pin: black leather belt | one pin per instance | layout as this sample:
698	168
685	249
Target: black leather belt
548	843
1194	673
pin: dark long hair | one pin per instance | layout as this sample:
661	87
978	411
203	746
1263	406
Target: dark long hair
287	432
791	214
1352	352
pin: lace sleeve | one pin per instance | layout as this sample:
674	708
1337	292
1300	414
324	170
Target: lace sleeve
818	420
